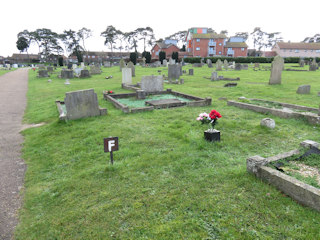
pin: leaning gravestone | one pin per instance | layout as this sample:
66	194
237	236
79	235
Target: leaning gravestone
84	73
301	63
225	64
276	70
191	71
133	69
313	65
43	73
219	65
304	89
174	71
81	104
95	69
209	62
122	64
152	83
66	74
126	76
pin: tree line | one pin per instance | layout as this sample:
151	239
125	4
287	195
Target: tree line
73	42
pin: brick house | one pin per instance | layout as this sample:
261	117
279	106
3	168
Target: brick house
300	49
203	42
99	57
168	46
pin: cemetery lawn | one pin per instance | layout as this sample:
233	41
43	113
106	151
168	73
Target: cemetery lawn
167	182
4	71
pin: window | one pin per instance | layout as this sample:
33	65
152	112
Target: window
317	51
219	53
296	51
93	56
220	44
198	39
242	49
230	49
198	49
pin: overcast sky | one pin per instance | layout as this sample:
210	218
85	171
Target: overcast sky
294	19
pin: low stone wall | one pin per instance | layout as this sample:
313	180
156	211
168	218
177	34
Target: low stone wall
301	192
312	118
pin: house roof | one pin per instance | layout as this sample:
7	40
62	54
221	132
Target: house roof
24	56
236	45
208	35
299	45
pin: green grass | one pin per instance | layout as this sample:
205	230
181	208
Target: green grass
167	182
2	72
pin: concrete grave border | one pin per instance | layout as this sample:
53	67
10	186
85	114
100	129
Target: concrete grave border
196	101
303	193
311	117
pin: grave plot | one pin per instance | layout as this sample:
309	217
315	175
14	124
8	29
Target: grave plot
147	101
279	109
283	170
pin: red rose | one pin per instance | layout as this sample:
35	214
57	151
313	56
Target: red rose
214	114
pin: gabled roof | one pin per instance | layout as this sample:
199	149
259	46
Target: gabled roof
208	35
236	45
299	45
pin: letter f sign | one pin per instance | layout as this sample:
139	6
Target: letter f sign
111	144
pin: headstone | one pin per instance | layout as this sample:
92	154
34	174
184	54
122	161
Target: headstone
313	65
152	83
126	76
201	61
141	94
84	73
77	71
74	66
276	70
157	64
40	67
122	64
191	71
304	89
174	71
219	65
268	122
43	73
165	63
214	76
245	66
50	69
82	65
81	104
15	65
182	62
66	74
107	64
144	61
225	64
69	66
95	70
209	62
237	67
133	69
172	61
301	63
257	65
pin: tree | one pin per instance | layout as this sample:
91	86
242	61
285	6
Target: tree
132	39
83	34
111	34
47	40
22	44
225	32
273	38
175	55
183	49
162	56
71	40
147	55
258	37
180	36
146	34
133	57
243	35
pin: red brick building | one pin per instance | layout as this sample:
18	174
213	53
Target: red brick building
168	46
203	42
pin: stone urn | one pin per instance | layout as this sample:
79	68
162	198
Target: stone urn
212	135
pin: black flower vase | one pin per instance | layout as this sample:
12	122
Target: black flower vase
212	135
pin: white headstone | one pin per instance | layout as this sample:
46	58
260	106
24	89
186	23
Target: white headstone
126	76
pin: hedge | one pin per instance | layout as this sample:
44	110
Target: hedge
244	59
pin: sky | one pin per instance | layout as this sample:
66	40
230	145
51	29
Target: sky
294	19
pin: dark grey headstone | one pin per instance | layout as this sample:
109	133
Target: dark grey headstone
43	73
237	66
190	71
66	74
304	89
84	73
174	71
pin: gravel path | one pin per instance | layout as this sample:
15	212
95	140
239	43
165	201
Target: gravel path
13	89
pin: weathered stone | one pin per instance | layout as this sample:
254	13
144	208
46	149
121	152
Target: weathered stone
237	66
268	122
313	66
174	71
197	65
141	94
165	63
107	64
122	64
126	76
50	69
304	89
276	70
172	61
219	65
257	65
74	66
66	74
81	104
244	66
84	73
82	65
209	63
190	71
301	63
77	71
309	143
225	64
214	76
43	73
95	69
133	69
152	83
